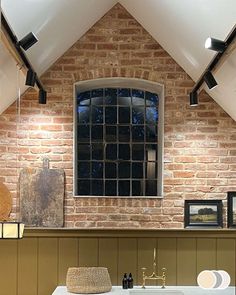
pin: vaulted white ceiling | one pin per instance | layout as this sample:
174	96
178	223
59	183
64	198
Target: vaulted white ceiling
181	27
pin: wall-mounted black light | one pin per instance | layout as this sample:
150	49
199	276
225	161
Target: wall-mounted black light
221	47
193	98
215	44
210	80
28	41
42	96
25	43
30	78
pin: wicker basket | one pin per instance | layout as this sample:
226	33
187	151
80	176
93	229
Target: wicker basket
87	280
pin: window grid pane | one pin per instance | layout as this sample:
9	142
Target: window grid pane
117	142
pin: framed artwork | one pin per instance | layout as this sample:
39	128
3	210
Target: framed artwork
231	209
203	213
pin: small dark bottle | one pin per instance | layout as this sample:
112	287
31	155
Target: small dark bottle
130	281
125	282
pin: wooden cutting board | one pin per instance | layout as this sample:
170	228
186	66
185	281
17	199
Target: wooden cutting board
5	202
42	196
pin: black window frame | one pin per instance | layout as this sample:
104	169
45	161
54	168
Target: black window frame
132	162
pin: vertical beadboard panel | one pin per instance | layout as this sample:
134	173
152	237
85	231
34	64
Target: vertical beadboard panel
67	257
8	267
88	252
145	258
127	258
206	254
108	257
47	265
186	261
226	257
27	266
167	255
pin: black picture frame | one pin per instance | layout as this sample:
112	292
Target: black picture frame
231	208
212	218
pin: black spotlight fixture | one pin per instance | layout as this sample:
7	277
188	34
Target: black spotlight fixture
30	78
28	41
193	98
210	80
215	44
42	96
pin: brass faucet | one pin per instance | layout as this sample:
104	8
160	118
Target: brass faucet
154	276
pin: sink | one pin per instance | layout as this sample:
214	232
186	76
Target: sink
158	291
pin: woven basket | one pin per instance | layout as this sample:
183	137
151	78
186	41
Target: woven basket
87	280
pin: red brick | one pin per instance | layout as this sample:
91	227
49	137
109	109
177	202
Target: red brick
200	144
107	46
130	31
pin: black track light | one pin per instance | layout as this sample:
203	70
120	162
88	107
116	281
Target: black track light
210	80
42	96
193	99
215	44
28	41
30	78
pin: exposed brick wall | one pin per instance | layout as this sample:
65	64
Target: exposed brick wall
200	143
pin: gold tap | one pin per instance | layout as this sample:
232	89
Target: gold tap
154	276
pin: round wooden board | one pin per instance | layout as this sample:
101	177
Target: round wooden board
5	202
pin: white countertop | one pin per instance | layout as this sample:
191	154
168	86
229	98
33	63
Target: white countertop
187	290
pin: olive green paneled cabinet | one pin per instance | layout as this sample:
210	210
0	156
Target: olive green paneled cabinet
38	263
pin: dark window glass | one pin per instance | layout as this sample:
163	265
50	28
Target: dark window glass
124	152
151	133
137	188
124	101
124	187
111	133
97	169
97	101
138	152
84	98
137	93
110	170
138	97
124	96
110	188
151	115
83	152
138	115
124	133
110	96
137	170
97	151
83	187
111	152
97	114
124	115
97	133
110	115
124	92
83	114
151	99
97	187
83	133
97	93
138	133
117	144
84	170
151	187
124	169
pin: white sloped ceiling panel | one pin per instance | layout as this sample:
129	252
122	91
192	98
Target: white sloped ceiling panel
57	24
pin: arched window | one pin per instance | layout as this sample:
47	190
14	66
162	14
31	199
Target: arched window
118	145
